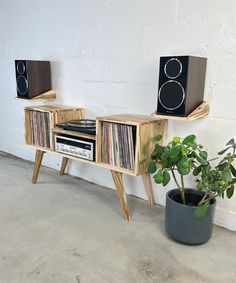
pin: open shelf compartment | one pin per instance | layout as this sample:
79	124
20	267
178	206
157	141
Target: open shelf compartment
145	128
41	120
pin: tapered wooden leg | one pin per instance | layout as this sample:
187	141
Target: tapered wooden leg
38	160
148	187
118	180
63	165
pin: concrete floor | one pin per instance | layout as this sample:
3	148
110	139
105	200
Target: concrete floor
66	230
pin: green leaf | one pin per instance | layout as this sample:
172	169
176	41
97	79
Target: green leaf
230	192
157	152
157	138
222	165
233	170
159	149
201	210
184	150
203	154
201	160
200	186
158	178
154	155
189	139
175	150
181	169
176	140
227	174
185	164
165	154
166	177
152	167
223	151
193	145
197	170
164	163
230	142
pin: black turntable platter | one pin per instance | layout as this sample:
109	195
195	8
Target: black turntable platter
86	126
85	123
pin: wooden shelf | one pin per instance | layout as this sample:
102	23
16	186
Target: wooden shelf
45	149
73	133
128	119
117	168
52	108
46	96
201	111
146	127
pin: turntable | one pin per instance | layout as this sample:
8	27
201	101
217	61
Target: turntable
86	126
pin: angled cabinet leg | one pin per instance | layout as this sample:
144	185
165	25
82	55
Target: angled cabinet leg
118	180
148	188
63	165
38	160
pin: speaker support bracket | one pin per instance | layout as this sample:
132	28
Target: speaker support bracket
46	96
200	112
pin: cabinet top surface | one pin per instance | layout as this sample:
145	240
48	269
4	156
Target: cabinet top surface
50	108
127	119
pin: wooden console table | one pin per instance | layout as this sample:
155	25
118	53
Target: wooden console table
40	132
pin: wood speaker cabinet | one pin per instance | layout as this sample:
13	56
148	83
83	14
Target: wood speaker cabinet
181	84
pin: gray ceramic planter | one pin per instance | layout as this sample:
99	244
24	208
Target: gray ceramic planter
180	221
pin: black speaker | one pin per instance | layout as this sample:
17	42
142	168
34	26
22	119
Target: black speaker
32	78
181	84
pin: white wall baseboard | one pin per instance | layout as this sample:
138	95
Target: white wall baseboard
225	218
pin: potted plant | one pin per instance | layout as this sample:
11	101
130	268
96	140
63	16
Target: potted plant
189	212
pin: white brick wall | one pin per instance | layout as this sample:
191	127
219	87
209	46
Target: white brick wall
105	58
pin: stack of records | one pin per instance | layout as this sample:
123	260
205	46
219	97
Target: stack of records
118	145
39	128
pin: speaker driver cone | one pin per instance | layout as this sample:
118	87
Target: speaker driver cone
22	85
171	95
20	67
173	68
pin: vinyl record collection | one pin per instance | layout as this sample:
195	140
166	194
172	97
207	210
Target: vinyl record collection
39	128
118	145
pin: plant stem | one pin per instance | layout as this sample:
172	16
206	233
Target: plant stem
180	188
182	182
203	199
173	174
206	198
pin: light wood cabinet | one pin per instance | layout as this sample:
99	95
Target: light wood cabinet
40	131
